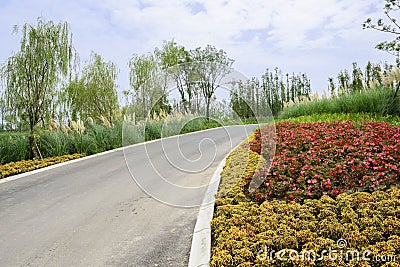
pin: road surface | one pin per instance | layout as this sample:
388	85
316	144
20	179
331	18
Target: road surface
135	207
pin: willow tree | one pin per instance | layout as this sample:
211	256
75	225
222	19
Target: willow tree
148	84
32	74
142	71
100	81
95	93
2	112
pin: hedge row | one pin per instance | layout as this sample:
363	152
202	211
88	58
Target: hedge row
22	166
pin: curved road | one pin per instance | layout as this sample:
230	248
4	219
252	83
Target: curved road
131	207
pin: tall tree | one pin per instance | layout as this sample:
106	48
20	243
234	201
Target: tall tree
95	93
170	58
33	73
177	62
276	89
357	79
368	74
343	78
212	65
101	87
389	25
73	104
240	100
148	84
141	72
331	86
2	111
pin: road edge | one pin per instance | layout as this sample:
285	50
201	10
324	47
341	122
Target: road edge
200	251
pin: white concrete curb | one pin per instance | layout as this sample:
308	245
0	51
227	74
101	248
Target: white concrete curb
18	176
200	252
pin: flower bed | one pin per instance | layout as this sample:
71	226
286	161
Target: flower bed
22	166
313	159
248	234
285	214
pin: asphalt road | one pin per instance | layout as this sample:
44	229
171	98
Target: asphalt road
135	207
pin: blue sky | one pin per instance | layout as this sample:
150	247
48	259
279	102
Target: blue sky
316	37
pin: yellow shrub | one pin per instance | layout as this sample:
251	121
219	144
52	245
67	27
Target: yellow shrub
241	231
240	164
22	166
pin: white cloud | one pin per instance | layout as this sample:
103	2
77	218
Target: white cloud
313	36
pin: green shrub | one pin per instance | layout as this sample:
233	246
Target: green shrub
354	117
200	123
153	130
14	147
84	143
377	101
55	144
105	138
132	134
98	138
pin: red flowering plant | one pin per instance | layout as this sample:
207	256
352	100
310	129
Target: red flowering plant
263	142
255	144
312	159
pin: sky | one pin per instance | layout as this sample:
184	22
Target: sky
316	37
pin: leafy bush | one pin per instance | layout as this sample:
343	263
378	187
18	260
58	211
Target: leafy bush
55	144
239	164
200	123
14	147
98	137
312	159
95	139
13	168
153	130
84	143
132	134
106	138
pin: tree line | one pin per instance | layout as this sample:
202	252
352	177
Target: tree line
268	95
357	79
43	81
196	74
